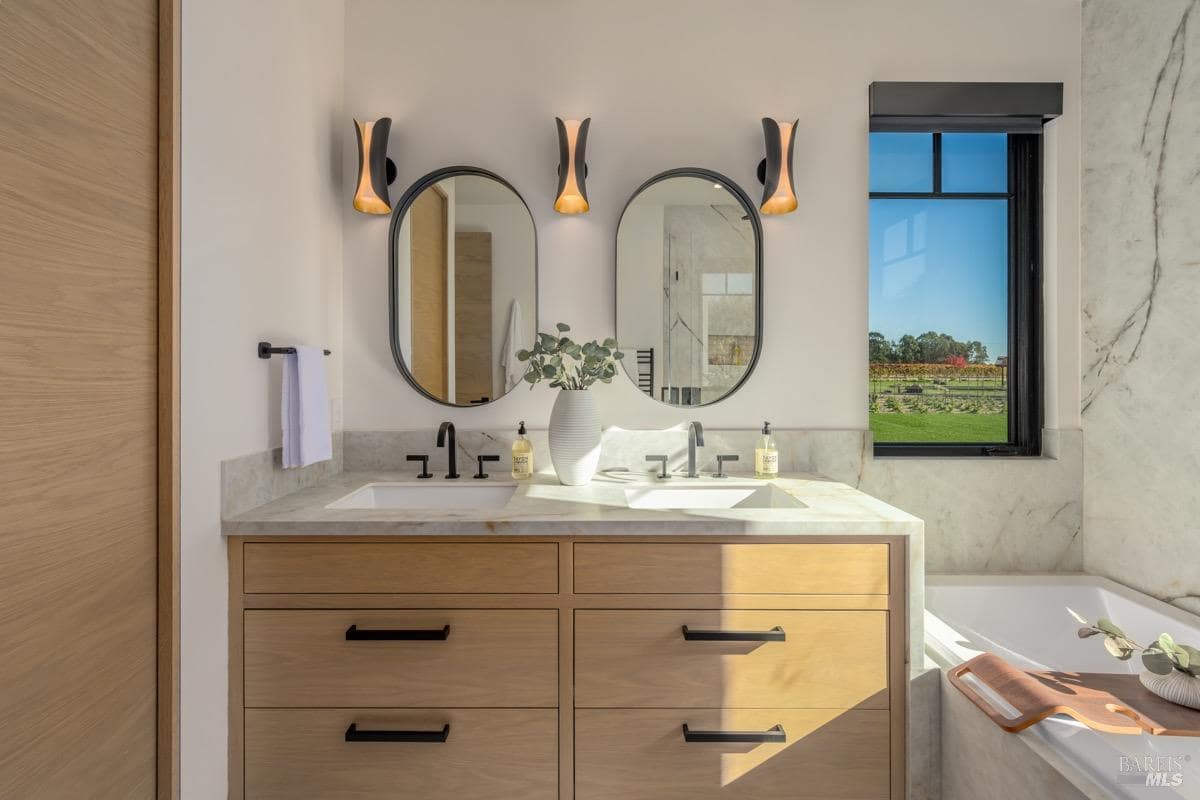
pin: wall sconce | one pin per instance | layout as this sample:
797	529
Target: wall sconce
572	168
375	170
775	171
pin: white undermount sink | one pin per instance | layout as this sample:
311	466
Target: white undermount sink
465	496
700	497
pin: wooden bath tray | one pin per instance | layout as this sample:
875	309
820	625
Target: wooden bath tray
1102	701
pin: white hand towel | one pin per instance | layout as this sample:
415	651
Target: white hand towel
307	437
514	369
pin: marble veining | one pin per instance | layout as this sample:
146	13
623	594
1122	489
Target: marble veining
984	514
256	479
1141	289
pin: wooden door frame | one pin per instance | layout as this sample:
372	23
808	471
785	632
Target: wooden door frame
169	116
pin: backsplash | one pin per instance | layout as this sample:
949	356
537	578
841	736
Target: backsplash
250	481
981	514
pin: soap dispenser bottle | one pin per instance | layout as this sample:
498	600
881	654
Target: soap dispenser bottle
522	455
766	457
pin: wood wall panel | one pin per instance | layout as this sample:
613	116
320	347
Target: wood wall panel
79	97
428	290
473	317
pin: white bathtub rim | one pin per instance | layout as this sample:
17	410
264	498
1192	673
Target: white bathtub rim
1180	615
1034	737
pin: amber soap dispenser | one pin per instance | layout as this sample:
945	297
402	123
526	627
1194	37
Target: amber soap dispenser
766	456
522	455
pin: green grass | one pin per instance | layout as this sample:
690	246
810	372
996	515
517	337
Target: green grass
950	428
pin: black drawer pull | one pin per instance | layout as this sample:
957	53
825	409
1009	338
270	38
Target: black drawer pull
353	734
776	734
776	634
353	634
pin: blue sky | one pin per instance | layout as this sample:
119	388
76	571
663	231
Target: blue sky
940	265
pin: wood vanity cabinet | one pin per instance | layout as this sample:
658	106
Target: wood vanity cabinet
568	667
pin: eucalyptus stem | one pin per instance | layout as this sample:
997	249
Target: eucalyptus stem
555	358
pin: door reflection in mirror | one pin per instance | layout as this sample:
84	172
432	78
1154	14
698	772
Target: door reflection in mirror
464	283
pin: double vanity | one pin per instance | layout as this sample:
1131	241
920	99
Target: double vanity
633	638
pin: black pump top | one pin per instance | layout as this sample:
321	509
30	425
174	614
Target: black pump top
766	428
521	428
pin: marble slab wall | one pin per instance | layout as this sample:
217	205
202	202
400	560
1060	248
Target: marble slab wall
981	515
1141	292
253	480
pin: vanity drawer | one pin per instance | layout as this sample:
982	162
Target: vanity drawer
400	567
640	659
701	568
488	754
489	658
642	755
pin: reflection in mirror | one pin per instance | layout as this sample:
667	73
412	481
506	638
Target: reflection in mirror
689	274
464	286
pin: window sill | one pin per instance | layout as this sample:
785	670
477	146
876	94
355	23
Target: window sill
981	451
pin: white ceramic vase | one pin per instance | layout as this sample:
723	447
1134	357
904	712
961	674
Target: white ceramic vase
1176	687
575	436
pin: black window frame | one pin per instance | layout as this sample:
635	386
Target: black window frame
1026	398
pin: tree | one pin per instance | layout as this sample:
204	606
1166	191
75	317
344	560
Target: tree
881	350
907	350
930	347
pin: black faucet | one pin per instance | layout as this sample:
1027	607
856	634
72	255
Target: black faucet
452	460
695	439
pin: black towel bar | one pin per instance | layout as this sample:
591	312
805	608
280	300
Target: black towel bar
266	351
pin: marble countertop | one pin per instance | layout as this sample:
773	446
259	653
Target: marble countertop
541	506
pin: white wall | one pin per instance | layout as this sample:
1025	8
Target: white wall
263	132
640	285
675	83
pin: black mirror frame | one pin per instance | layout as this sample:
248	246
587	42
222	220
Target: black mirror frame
755	223
409	197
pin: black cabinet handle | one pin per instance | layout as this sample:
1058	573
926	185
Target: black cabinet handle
776	734
353	634
353	734
776	634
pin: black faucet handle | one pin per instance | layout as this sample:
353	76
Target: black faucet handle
721	459
481	459
663	475
424	459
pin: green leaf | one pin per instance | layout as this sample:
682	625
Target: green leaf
618	354
548	371
1166	643
1157	661
547	341
1116	650
532	377
1193	655
523	355
1108	627
610	342
563	327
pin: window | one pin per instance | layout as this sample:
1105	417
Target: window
955	292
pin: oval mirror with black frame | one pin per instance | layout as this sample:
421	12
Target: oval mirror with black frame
462	286
689	287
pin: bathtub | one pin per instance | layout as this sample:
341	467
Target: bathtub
1024	619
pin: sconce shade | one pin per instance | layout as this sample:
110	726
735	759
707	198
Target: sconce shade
572	168
779	195
371	195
